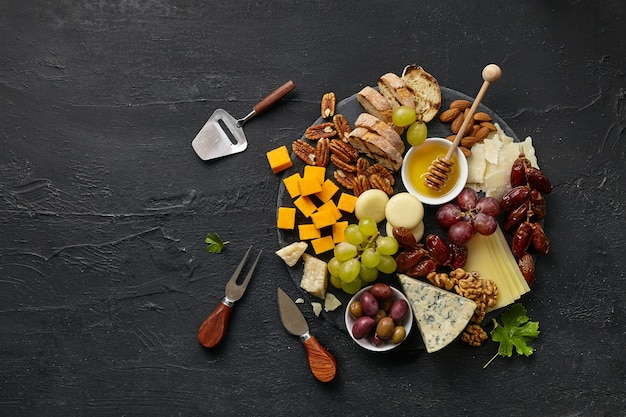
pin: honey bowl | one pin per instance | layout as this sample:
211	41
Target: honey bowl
415	167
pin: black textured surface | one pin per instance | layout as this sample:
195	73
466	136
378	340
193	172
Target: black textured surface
104	278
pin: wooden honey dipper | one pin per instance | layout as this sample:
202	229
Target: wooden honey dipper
440	168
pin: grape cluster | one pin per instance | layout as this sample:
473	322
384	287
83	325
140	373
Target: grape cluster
468	214
361	256
405	116
418	260
524	206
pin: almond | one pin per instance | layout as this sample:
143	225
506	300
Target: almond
456	124
449	115
482	117
460	104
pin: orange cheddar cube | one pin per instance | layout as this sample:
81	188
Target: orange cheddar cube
346	202
286	218
338	231
330	206
305	205
291	185
309	185
323	244
279	159
308	232
329	188
323	218
313	171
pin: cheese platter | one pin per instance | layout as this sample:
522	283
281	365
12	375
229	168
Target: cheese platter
352	109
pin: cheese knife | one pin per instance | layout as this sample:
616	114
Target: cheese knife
321	362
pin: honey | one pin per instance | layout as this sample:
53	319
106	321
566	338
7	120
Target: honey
417	167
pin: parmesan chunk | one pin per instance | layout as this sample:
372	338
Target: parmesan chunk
291	253
331	303
314	277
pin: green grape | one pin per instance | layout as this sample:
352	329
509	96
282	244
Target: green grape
387	245
344	251
368	226
370	257
352	287
387	264
403	116
333	266
335	281
353	235
416	133
350	269
368	274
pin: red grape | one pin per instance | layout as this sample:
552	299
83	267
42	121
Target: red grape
460	233
488	205
485	224
448	214
467	199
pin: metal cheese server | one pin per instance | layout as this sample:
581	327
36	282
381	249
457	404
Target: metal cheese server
213	328
321	362
223	135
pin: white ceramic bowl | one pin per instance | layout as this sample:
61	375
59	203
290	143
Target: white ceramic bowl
365	343
411	157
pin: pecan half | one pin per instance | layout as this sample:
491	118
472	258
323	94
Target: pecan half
341	164
322	130
322	152
343	150
328	105
362	166
380	183
342	126
345	179
304	151
384	173
361	184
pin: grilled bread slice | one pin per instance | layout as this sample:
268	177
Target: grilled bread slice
378	148
426	90
395	91
382	129
377	105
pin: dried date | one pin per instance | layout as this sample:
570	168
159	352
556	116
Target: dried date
422	268
538	205
459	256
514	197
404	237
538	180
526	265
438	249
518	172
515	217
539	240
522	239
408	258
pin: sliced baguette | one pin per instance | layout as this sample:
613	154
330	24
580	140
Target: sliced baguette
377	105
426	90
378	148
382	129
395	91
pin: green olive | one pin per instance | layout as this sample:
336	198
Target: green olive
385	328
398	335
355	309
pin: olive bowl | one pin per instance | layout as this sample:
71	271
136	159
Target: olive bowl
407	323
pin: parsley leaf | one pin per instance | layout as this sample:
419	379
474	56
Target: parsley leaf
515	331
215	243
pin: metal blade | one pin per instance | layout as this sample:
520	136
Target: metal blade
290	315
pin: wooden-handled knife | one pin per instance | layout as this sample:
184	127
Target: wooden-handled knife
321	362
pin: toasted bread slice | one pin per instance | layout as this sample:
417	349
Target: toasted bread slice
426	90
377	105
382	129
378	148
395	91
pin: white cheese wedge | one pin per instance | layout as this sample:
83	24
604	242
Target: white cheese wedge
314	278
441	316
331	303
292	253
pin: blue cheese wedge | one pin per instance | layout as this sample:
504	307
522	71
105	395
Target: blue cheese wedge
441	316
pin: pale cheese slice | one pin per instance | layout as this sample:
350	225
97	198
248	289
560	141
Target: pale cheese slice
477	164
441	316
314	278
292	253
513	267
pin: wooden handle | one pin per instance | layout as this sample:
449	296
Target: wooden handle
213	328
274	96
321	362
491	73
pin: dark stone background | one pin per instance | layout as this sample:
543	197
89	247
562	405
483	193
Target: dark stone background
104	206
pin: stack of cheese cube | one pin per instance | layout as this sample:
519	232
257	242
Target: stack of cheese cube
312	195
